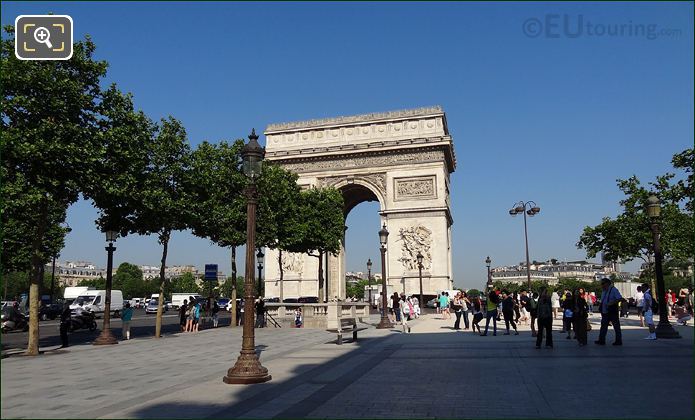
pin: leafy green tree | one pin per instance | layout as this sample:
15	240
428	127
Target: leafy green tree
129	279
163	206
357	289
474	293
98	283
324	225
50	111
228	286
628	236
184	284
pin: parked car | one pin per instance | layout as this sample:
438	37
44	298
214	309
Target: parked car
308	299
272	300
167	305
222	302
229	304
151	307
290	300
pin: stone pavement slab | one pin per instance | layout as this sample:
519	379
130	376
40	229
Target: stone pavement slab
432	373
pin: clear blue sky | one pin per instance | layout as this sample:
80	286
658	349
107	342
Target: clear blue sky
555	120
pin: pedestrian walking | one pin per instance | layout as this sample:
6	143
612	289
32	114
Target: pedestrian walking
532	306
444	305
648	314
465	308
639	303
555	302
491	312
183	316
395	304
260	313
568	314
416	306
298	319
197	309
405	308
65	324
523	306
456	306
517	307
126	316
190	315
590	302
508	312
477	314
609	312
215	315
545	320
669	302
436	303
580	317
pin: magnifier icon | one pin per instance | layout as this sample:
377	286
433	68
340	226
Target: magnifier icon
43	36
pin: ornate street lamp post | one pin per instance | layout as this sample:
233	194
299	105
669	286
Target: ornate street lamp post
369	281
259	259
419	258
106	337
383	237
488	284
532	209
248	369
664	329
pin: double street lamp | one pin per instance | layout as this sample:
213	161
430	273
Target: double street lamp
664	329
248	369
383	237
106	337
419	258
369	280
532	209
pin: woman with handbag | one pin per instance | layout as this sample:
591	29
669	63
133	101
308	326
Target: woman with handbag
456	306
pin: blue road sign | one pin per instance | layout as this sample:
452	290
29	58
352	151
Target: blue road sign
210	272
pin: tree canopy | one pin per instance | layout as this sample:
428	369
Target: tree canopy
628	235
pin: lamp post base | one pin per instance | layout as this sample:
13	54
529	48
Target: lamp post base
665	330
384	324
247	370
105	338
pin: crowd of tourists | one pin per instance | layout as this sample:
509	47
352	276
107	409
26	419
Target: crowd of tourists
539	310
193	312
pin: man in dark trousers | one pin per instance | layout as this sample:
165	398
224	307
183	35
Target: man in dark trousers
65	324
609	312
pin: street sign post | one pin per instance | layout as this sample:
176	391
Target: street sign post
210	274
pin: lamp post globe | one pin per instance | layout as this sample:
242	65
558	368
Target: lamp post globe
106	337
488	283
529	208
248	369
383	240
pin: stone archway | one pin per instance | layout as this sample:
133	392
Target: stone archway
403	160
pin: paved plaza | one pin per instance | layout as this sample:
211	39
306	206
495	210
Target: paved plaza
434	372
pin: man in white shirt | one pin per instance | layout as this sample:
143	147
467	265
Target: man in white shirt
639	302
648	316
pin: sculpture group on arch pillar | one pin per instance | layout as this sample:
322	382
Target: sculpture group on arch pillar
415	240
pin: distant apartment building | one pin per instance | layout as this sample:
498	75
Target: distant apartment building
553	270
71	273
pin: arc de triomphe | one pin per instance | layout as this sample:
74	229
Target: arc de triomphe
403	160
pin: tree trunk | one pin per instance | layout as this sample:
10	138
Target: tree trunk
234	320
282	294
36	280
164	240
322	286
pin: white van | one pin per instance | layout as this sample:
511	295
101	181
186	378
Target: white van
178	298
71	293
93	300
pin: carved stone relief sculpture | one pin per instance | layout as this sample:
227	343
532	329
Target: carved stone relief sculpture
415	239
